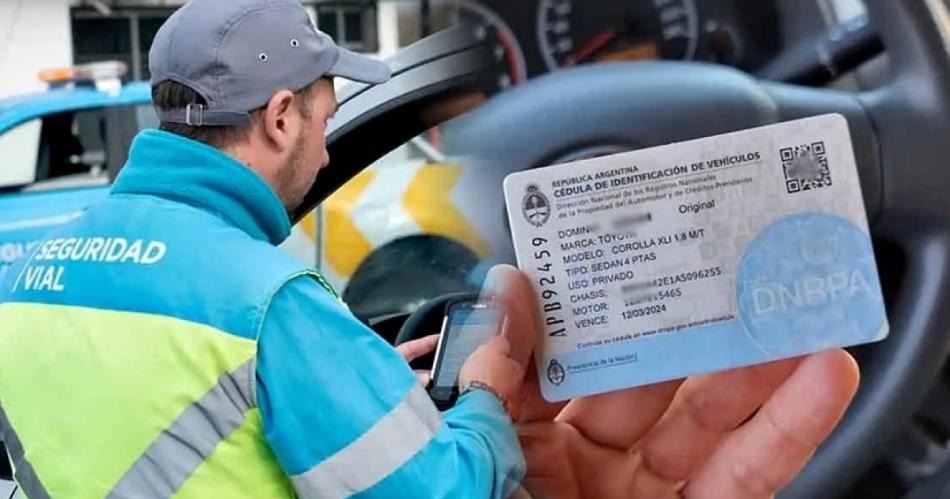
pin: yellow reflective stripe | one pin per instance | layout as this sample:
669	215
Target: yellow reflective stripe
68	389
428	200
347	247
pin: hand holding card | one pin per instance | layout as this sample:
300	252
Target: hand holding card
697	257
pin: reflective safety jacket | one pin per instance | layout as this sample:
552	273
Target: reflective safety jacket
160	345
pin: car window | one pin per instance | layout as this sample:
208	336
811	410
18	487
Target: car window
19	149
70	148
406	230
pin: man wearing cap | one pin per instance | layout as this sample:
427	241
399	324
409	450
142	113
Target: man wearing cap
160	345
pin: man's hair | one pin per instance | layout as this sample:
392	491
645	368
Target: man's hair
170	95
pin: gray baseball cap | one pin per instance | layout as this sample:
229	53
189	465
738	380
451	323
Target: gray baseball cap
238	53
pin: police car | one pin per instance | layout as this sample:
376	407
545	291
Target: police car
62	148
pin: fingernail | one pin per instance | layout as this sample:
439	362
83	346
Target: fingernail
493	282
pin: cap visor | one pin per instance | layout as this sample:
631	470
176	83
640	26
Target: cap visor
353	66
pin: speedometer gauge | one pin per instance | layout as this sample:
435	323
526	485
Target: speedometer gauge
572	32
507	51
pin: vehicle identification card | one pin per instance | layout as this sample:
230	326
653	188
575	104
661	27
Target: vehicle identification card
697	257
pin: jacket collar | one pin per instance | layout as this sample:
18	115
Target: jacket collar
172	167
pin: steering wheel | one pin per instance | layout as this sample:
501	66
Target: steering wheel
900	135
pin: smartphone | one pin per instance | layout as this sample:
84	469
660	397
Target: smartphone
467	325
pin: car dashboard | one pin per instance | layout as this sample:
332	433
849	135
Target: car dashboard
534	37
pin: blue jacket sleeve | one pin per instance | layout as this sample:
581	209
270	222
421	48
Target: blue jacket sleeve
345	416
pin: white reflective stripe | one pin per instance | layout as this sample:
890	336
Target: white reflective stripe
376	454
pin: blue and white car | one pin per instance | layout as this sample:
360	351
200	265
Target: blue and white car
60	149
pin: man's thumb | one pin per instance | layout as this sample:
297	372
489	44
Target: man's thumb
517	304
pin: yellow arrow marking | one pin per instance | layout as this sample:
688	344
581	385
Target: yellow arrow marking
428	200
346	247
309	225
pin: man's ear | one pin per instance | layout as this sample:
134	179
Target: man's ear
277	114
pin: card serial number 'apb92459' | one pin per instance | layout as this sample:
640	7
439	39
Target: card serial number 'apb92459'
697	257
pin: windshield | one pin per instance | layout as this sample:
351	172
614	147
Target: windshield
73	148
407	229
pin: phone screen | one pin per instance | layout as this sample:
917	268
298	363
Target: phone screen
467	327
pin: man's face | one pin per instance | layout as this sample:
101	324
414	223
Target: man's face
309	154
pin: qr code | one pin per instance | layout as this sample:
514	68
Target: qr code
806	167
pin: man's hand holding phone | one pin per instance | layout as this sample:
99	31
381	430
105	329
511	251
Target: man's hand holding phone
742	433
412	350
501	363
